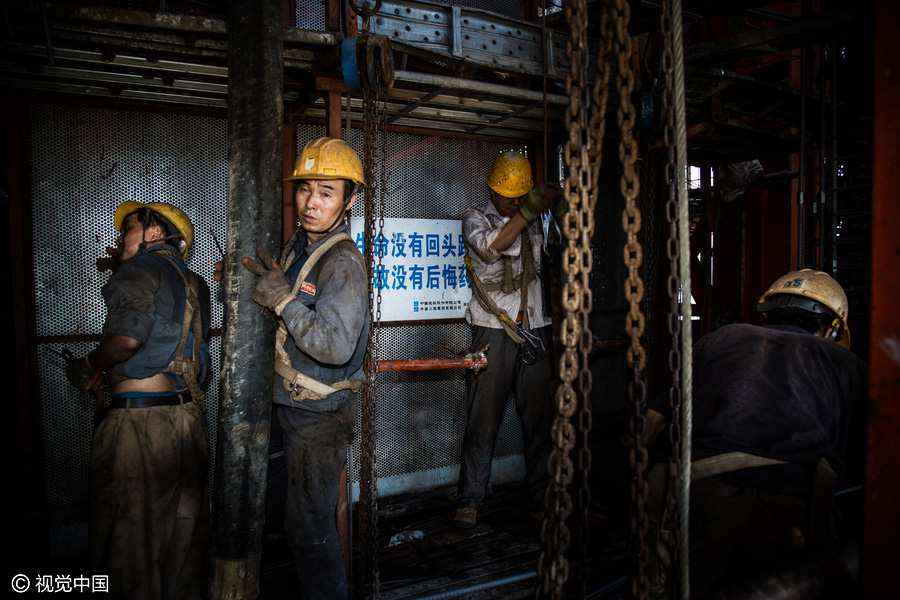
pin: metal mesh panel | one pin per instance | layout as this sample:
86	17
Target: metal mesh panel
421	417
608	275
310	14
85	162
88	161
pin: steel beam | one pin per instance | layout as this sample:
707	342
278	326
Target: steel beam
777	38
881	527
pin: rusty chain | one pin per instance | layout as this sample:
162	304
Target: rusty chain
553	566
369	580
674	283
634	293
583	154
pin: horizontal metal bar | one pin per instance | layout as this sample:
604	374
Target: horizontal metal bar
494	89
430	364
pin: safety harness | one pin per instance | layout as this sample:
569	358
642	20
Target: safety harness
189	368
303	387
531	348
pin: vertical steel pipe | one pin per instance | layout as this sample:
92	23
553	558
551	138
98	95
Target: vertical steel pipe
255	83
881	527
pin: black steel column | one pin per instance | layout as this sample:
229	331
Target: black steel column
255	78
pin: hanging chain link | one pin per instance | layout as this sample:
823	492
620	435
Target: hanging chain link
583	155
553	566
634	293
674	282
369	578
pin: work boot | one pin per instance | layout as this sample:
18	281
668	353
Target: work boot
465	518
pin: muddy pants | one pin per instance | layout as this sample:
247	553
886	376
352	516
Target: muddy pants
149	506
315	450
487	395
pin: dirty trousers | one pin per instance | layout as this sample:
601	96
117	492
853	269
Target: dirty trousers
149	502
315	450
487	395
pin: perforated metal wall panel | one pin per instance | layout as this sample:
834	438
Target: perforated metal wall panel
85	163
310	14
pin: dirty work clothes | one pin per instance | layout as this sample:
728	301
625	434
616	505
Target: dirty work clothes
487	395
480	228
148	500
328	325
329	321
315	450
149	506
145	301
775	391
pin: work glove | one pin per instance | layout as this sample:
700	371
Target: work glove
560	202
541	198
273	290
82	375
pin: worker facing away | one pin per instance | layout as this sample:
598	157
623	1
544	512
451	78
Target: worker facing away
503	258
319	291
149	506
772	412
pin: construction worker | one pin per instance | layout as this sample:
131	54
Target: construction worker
319	290
149	505
503	257
772	409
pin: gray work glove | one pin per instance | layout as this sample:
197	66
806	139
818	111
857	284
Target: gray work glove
82	375
273	290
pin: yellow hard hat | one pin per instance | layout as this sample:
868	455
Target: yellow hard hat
814	285
172	214
510	175
328	158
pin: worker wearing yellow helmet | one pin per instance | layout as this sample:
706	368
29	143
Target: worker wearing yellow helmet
508	312
774	408
175	227
813	292
148	492
319	291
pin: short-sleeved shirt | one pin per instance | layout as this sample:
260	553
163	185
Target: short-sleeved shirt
328	322
145	299
480	228
776	391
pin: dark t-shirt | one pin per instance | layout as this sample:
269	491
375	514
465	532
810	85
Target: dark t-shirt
778	392
145	299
